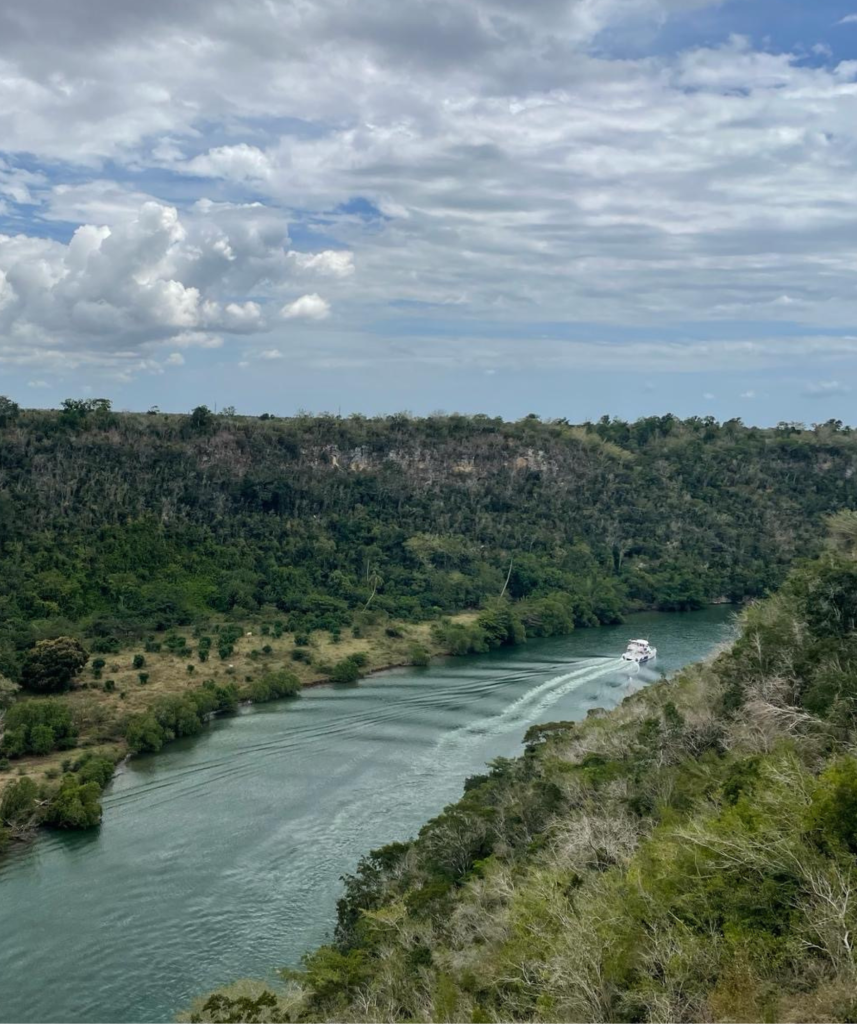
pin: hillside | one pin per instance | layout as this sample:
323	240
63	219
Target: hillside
690	856
115	526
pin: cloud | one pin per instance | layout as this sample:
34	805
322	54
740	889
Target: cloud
307	307
175	359
748	394
271	353
849	19
486	164
37	384
329	262
151	278
826	389
239	163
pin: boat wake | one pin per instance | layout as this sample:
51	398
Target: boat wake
529	707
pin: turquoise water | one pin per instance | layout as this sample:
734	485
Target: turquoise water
220	857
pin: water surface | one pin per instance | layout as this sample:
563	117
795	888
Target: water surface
220	857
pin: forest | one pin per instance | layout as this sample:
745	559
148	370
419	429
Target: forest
689	856
116	526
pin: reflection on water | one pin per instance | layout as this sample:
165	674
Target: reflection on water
221	857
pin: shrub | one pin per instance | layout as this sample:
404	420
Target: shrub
345	671
144	678
419	656
38	727
75	805
273	685
138	662
18	804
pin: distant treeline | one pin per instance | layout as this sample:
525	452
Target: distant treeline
113	526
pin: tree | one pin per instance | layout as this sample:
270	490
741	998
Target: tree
76	804
9	411
8	693
201	419
18	805
51	665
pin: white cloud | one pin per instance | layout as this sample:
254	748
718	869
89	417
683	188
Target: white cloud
826	389
175	359
330	262
37	384
271	353
748	394
307	307
849	19
153	277
238	163
510	169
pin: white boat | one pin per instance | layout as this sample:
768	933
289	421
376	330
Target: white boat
640	651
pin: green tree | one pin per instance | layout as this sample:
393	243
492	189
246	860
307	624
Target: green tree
9	411
51	665
76	804
18	805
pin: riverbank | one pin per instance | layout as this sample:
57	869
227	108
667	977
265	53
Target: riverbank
115	717
223	852
113	688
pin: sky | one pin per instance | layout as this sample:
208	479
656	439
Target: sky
564	207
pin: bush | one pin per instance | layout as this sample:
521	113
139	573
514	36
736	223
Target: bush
419	656
138	662
75	805
274	685
105	645
38	727
18	804
144	678
832	816
345	671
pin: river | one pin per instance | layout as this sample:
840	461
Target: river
220	857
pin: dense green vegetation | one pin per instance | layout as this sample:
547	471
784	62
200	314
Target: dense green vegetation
114	527
690	856
72	802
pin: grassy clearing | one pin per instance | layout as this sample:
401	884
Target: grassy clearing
99	713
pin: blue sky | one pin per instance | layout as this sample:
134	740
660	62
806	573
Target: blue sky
568	207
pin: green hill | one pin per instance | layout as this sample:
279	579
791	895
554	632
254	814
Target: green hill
113	526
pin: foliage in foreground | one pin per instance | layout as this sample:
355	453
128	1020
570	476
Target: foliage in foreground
690	856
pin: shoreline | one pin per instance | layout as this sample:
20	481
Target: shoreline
123	755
